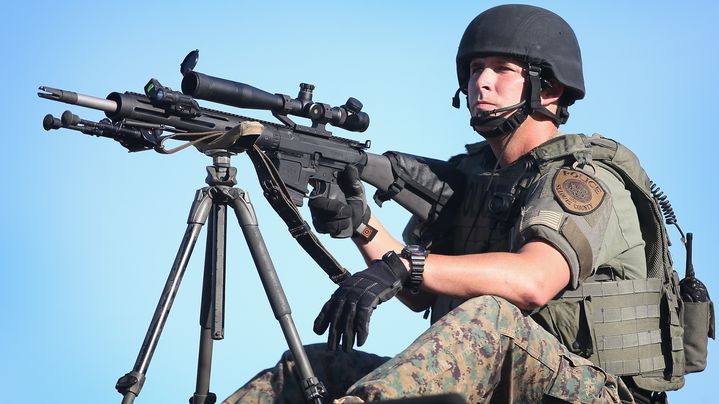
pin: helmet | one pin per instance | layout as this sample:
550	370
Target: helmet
532	35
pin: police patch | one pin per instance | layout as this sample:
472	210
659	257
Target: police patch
576	191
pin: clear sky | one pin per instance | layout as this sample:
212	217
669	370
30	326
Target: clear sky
91	231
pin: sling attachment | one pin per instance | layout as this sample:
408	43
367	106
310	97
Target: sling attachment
272	185
277	195
394	188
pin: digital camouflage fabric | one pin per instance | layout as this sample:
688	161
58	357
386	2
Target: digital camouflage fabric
486	350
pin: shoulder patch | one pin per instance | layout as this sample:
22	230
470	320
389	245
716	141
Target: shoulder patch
576	191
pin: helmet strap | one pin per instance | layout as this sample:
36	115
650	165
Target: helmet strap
494	126
535	101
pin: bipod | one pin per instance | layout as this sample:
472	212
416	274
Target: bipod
212	202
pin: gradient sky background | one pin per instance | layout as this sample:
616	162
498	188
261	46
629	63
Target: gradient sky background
91	231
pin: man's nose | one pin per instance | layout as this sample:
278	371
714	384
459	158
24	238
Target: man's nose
485	78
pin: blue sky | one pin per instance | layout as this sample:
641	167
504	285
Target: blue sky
91	231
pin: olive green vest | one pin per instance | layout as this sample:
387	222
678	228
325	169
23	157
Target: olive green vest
628	327
636	324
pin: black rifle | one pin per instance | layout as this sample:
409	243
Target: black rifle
302	155
288	158
137	122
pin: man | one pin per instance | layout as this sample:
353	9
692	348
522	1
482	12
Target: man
538	220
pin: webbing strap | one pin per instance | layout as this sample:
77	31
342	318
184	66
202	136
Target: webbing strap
630	340
614	288
677	343
273	186
613	315
624	317
634	366
277	195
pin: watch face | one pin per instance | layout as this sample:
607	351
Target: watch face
414	250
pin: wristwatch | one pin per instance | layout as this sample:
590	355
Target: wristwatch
416	255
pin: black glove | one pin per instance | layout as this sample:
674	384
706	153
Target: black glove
340	219
348	311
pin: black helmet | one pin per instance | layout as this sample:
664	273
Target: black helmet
535	36
532	35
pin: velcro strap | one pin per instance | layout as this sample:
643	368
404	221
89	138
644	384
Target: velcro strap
412	178
394	188
579	242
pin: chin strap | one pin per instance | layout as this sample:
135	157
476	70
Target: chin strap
492	126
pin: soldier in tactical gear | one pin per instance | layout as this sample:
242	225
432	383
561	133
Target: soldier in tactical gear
541	220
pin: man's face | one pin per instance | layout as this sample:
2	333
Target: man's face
494	82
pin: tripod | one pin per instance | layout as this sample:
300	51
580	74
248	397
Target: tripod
212	201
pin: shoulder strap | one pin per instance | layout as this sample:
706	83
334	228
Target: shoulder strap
625	163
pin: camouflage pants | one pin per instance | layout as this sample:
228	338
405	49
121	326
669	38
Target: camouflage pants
486	350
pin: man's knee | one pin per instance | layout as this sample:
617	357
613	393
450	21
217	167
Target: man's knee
486	312
489	303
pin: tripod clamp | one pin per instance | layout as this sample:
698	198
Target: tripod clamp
131	383
314	389
220	173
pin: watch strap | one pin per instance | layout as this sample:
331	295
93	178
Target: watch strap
416	255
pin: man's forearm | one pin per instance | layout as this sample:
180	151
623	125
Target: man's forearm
380	244
528	278
375	249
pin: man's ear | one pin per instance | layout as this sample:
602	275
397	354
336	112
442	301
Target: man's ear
551	92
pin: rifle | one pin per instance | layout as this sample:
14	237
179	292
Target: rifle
288	156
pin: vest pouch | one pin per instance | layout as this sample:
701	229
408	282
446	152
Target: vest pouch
622	319
567	320
698	328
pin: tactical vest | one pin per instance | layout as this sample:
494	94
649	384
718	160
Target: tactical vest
627	327
483	220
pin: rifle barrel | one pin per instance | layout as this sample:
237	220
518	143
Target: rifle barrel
70	97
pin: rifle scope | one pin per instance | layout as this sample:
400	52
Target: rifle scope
240	95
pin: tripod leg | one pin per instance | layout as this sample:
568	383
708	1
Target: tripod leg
213	301
242	206
131	383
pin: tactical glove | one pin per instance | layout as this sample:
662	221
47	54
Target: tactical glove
348	311
340	219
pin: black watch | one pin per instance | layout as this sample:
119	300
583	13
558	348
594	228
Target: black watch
416	255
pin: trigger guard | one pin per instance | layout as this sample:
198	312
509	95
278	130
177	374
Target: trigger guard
318	188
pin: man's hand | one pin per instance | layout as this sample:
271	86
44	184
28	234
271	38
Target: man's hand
342	220
348	311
